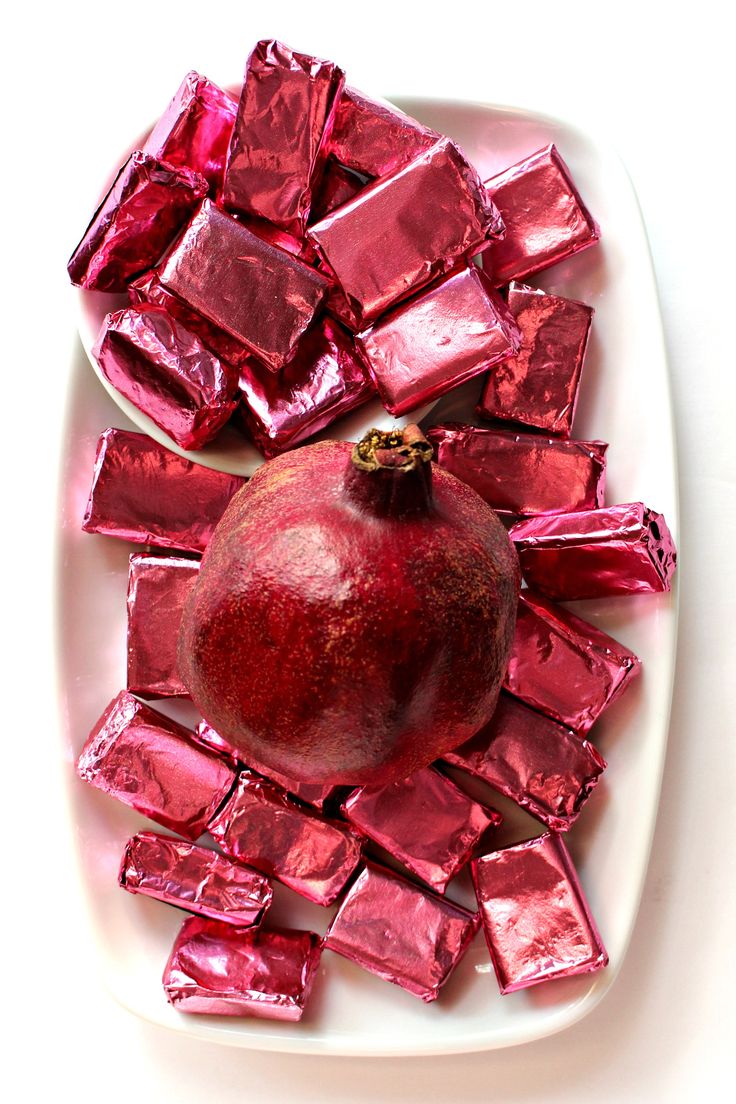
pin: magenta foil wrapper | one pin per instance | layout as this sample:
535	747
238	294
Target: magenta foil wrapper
220	970
278	145
424	821
404	934
375	138
195	879
264	828
564	666
545	768
144	493
338	185
142	213
167	373
625	549
403	231
539	385
150	762
536	920
523	474
158	587
445	335
257	293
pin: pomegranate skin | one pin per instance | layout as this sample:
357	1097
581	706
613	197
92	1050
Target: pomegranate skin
349	626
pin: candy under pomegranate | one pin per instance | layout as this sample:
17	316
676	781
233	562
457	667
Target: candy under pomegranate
353	615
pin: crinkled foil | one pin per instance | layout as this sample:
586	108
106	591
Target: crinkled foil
225	971
150	762
625	549
564	666
404	934
545	768
424	821
338	185
195	879
536	920
158	587
376	138
139	217
445	335
144	493
263	827
539	385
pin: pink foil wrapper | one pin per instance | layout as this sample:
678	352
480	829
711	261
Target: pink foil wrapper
625	549
338	185
375	138
150	762
445	335
225	971
539	385
257	293
403	231
545	768
404	934
167	373
536	920
523	474
278	145
263	827
144	493
158	587
195	879
545	217
564	666
424	821
139	217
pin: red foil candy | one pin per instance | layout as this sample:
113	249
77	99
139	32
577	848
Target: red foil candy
138	218
278	145
424	821
225	971
194	878
523	474
564	666
338	185
144	493
539	385
257	293
625	549
375	138
546	220
404	934
158	587
150	762
545	768
536	919
444	336
263	827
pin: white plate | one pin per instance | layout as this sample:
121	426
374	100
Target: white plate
625	400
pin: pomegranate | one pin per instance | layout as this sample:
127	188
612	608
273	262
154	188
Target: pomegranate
353	615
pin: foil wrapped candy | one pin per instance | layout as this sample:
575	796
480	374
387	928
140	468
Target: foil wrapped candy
374	137
158	587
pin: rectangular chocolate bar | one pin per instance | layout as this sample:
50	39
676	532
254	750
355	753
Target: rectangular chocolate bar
337	186
158	587
374	137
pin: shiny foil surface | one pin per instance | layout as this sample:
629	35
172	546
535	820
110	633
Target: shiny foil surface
538	386
624	549
523	474
158	587
564	666
424	821
225	971
536	920
278	145
545	217
257	293
195	879
404	934
375	138
263	827
402	231
545	768
337	186
142	213
167	373
150	762
144	493
445	335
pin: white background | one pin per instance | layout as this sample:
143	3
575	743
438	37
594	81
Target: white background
79	81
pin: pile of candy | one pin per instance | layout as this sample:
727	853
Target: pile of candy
286	257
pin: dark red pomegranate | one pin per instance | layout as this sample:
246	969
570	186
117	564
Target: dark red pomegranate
354	612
